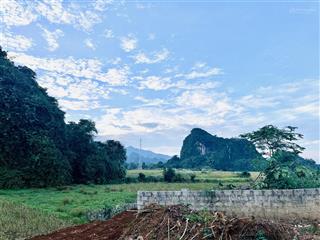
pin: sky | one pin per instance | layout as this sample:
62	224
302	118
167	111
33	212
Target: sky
156	69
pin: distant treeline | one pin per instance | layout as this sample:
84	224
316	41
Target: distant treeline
37	147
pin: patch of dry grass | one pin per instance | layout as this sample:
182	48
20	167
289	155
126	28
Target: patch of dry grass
20	222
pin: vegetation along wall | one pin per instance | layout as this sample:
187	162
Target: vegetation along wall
275	204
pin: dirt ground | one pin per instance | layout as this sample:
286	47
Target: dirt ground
179	222
104	230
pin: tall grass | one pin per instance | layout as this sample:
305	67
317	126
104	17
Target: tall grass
20	222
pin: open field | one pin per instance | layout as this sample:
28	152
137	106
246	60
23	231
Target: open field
68	205
200	175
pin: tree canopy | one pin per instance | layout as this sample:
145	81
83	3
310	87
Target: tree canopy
270	139
37	147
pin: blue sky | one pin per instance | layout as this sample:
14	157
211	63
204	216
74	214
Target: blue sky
157	69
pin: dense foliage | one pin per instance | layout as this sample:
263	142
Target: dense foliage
285	171
285	168
37	148
169	174
201	149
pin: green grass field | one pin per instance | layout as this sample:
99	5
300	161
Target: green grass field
69	204
200	175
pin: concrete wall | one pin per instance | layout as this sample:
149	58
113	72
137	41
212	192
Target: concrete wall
275	204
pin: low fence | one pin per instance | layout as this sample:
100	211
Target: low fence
275	204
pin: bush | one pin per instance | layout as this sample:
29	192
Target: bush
192	177
245	174
131	180
11	178
169	174
179	178
153	179
284	172
142	177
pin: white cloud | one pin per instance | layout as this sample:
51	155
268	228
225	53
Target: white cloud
115	61
101	5
154	57
20	13
78	104
195	99
52	38
108	33
254	101
151	102
201	74
116	76
15	42
14	13
197	86
199	64
89	43
152	119
86	68
61	86
156	83
128	43
56	11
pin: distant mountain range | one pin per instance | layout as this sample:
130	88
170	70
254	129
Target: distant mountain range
145	155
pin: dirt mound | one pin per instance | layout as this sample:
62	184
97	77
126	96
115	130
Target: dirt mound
176	222
179	222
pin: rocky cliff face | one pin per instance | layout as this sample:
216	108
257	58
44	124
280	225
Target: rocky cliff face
201	149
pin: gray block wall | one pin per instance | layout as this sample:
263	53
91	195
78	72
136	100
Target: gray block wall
275	204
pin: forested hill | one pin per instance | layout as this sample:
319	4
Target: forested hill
201	149
145	156
37	147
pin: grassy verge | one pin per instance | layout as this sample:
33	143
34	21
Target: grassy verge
19	222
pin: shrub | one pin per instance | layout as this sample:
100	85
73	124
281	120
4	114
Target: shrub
169	174
131	180
179	178
142	177
245	174
192	177
152	179
284	172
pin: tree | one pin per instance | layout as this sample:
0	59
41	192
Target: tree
282	152
169	174
32	137
82	148
117	156
141	177
37	147
284	171
270	139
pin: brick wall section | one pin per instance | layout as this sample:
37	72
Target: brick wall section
275	204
